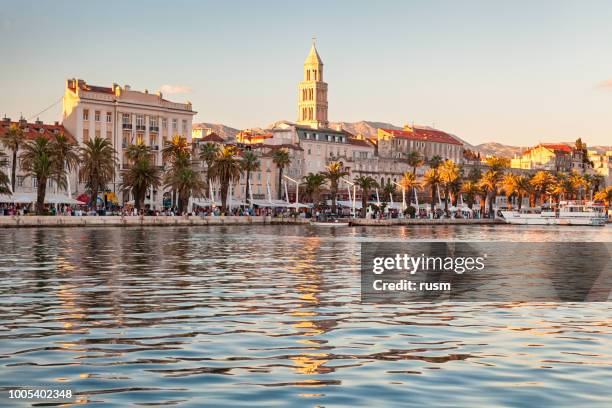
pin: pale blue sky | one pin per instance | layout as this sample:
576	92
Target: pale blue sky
517	72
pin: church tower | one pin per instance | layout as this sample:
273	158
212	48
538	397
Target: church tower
312	98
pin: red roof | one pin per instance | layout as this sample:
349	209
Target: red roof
359	142
428	135
557	146
33	130
213	137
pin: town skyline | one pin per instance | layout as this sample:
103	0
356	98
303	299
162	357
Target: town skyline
250	84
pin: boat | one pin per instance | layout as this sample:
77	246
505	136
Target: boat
327	221
565	213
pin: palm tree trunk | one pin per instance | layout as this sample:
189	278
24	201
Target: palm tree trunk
14	170
224	189
334	192
433	198
40	196
280	183
364	203
93	202
509	200
492	198
446	199
248	188
520	201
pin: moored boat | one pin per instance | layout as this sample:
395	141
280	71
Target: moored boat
566	213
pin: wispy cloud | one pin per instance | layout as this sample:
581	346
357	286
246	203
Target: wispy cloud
175	89
607	85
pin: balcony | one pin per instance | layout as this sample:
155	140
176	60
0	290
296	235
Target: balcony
124	145
154	129
141	127
127	126
154	147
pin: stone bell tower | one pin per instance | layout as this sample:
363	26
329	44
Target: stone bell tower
312	98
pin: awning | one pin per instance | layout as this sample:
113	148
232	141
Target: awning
209	203
26	198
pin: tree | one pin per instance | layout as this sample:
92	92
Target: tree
4	179
497	163
281	159
605	196
334	172
67	157
489	184
39	159
449	174
174	150
365	183
414	159
226	169
388	191
13	140
541	183
409	183
141	176
208	153
562	187
432	180
435	162
312	185
579	184
471	190
249	163
523	188
509	185
98	163
187	181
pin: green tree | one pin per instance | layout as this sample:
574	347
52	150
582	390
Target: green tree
497	163
140	177
281	159
509	184
432	180
541	183
226	169
388	191
489	184
13	140
334	172
186	180
435	162
450	173
249	163
365	183
414	159
523	188
471	190
67	157
4	179
409	183
312	185
38	159
174	150
208	153
97	166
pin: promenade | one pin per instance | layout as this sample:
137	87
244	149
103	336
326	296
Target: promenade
129	221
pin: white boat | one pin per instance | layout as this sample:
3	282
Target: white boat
329	223
567	213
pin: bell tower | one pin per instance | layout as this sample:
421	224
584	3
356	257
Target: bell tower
312	97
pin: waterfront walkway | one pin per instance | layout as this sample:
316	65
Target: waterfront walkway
118	221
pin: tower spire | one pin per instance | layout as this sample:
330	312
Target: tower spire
312	106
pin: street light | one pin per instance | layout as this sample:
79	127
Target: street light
297	190
403	195
354	194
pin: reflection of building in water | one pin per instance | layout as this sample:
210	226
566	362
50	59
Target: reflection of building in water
309	286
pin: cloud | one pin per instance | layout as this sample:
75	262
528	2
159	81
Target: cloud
607	85
175	89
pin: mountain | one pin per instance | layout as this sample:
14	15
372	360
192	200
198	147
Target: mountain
224	131
364	127
498	149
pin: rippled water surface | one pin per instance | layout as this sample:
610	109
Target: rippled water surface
270	315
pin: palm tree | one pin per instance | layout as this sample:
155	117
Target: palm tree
67	157
449	175
140	177
509	184
471	190
187	181
4	179
334	172
579	184
281	159
523	188
39	160
562	187
435	162
226	169
432	180
388	191
175	148
489	184
208	153
414	160
365	183
541	183
497	163
312	185
97	167
137	151
605	196
409	183
249	163
13	140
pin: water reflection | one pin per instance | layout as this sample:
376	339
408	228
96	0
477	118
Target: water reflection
228	316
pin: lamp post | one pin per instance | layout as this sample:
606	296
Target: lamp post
403	195
354	194
297	190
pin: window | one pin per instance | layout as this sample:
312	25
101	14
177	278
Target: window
85	135
34	182
153	121
140	120
97	132
109	117
20	181
125	118
184	125
164	123
174	124
85	114
109	134
97	116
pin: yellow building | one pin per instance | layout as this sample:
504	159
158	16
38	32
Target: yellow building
545	156
312	106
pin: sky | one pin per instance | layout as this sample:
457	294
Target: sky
514	72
